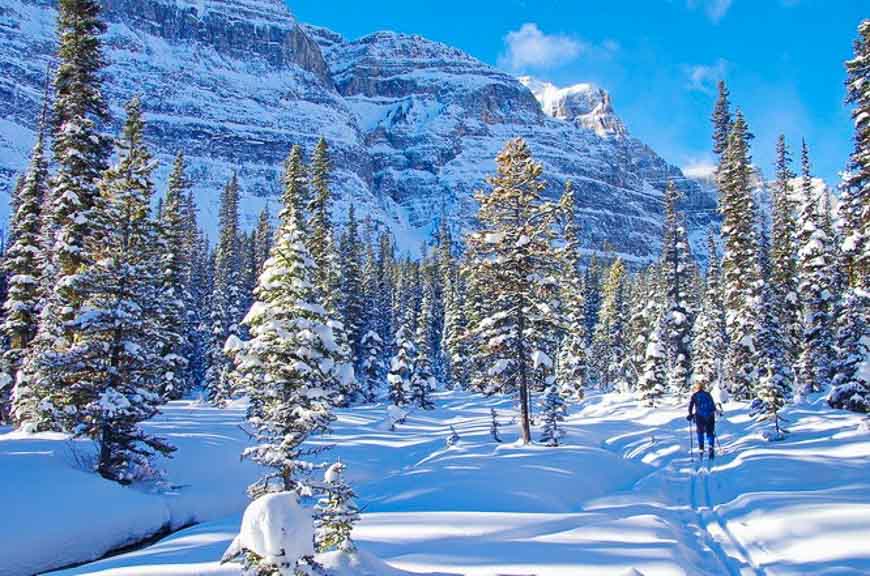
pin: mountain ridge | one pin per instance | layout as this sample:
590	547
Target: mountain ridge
414	125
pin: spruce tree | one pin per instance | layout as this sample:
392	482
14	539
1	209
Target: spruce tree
175	298
553	411
320	222
815	291
609	344
722	120
572	361
709	341
80	151
23	262
353	306
372	370
334	300
226	295
112	372
336	512
402	365
591	298
641	302
514	256
783	255
776	377
676	267
855	197
262	240
422	378
740	273
286	367
851	389
653	380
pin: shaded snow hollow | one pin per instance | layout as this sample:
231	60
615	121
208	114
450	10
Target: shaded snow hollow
621	496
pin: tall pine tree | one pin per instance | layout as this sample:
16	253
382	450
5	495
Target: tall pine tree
514	256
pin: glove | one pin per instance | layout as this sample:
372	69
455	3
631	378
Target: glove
689	417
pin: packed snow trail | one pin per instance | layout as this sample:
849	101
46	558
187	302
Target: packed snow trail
619	495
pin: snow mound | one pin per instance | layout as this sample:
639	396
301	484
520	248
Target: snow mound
357	563
277	528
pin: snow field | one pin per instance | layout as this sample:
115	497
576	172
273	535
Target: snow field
621	496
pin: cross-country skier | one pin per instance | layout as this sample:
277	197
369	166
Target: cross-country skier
702	409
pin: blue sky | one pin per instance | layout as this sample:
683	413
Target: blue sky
659	59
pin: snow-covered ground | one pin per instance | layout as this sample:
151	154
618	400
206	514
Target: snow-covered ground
620	495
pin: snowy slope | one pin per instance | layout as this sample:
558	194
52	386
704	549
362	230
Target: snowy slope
59	514
414	124
621	494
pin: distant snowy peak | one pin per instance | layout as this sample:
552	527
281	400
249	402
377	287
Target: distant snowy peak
586	105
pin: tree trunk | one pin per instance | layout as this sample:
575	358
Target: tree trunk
524	385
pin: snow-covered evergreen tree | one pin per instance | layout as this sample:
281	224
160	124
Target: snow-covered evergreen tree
783	256
334	299
572	361
353	307
770	395
653	380
514	256
402	365
642	306
777	377
287	367
319	206
112	371
174	299
372	369
591	298
23	263
199	288
722	120
855	195
609	344
455	339
740	273
815	290
81	152
851	382
709	339
422	377
676	267
336	512
262	240
553	412
226	295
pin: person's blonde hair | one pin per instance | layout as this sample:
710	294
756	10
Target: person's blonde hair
699	385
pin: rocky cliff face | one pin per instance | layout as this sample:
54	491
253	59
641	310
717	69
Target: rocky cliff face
414	125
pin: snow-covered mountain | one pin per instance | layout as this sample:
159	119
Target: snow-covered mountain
414	125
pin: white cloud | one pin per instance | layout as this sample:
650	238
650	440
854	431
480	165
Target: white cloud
701	170
529	47
703	78
715	9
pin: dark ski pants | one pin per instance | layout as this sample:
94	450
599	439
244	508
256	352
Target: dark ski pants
705	426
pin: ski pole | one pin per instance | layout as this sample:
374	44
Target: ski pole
691	443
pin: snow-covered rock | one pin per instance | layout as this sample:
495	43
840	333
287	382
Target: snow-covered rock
414	125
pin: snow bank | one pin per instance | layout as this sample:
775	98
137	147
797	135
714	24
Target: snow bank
61	513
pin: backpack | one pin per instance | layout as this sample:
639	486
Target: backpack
704	405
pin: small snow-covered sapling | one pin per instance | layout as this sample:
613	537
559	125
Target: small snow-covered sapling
493	426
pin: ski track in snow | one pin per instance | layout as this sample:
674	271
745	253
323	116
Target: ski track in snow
736	559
